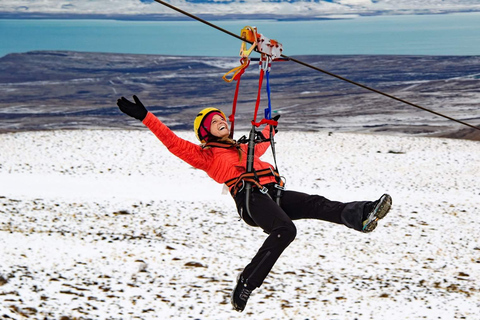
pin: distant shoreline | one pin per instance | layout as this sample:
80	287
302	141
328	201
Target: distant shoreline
170	17
213	17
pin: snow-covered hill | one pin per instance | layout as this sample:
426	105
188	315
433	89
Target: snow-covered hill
108	225
294	8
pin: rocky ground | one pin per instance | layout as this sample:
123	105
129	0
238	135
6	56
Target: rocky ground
106	224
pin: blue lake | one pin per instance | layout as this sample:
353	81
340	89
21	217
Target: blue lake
447	34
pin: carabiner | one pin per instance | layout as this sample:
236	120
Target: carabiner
265	63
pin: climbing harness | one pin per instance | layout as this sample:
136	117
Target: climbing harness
316	68
238	184
269	50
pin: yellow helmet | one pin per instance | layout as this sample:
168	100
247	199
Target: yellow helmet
201	131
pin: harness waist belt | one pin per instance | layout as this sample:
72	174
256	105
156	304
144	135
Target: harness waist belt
237	183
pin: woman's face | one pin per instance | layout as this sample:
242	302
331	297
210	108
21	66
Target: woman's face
219	127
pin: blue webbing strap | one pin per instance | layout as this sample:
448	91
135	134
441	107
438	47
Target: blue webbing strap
268	111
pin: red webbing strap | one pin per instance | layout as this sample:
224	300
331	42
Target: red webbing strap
231	117
257	104
265	121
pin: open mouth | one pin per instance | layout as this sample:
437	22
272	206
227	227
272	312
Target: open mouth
222	127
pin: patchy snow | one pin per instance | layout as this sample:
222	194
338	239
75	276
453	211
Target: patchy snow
109	225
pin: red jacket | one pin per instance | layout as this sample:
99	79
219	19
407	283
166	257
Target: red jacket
219	163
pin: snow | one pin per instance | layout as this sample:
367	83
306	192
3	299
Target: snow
336	8
106	224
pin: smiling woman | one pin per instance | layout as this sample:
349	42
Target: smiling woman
260	196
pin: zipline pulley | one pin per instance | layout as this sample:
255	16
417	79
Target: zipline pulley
270	50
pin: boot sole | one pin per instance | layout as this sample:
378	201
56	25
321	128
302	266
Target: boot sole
380	212
234	305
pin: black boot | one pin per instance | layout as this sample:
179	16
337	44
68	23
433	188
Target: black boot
375	211
241	293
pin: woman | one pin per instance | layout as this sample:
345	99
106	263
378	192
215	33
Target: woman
224	160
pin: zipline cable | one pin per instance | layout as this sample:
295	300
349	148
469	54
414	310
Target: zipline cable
380	92
318	69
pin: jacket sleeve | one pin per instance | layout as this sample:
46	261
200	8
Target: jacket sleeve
189	152
260	148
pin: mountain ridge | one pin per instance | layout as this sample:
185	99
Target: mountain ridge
50	90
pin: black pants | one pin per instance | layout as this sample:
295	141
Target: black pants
276	221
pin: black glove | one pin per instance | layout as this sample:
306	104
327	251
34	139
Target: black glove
135	110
